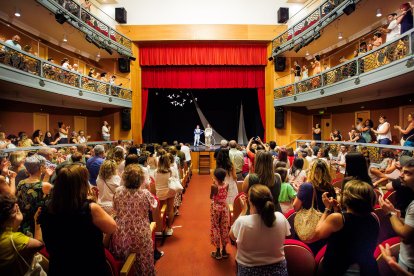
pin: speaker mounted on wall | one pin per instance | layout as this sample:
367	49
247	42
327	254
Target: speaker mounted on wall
350	8
123	65
279	117
280	64
121	15
282	15
126	119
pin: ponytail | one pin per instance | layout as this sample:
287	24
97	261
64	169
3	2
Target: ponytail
261	197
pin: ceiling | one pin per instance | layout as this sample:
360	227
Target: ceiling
49	29
393	87
360	22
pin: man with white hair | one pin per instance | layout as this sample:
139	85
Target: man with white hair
224	144
94	164
47	153
237	159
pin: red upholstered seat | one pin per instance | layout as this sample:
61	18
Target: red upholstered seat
391	196
290	216
113	264
319	259
383	266
386	231
299	257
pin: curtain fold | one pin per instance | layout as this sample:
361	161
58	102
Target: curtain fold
262	108
208	53
144	104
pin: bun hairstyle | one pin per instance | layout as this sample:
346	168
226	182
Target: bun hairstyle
261	198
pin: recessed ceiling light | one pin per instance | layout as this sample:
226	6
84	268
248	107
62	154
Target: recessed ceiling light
65	39
340	35
17	12
379	13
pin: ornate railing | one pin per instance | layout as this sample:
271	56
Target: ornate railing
323	14
81	17
31	64
376	58
370	150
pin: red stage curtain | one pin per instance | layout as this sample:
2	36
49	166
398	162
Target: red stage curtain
242	54
199	77
144	103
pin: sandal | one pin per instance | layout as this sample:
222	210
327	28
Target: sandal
216	255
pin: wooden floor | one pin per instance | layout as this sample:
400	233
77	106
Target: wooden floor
187	252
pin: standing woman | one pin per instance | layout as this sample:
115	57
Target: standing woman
316	131
72	225
132	205
223	161
366	130
260	236
162	176
37	138
48	140
297	176
63	133
107	182
408	132
352	235
383	131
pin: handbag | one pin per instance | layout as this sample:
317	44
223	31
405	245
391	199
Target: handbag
35	269
306	221
174	185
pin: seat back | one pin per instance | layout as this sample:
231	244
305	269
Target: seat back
290	216
299	257
383	267
391	196
319	259
386	231
114	266
239	186
152	185
159	217
237	206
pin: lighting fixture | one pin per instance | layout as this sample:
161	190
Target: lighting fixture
17	12
307	53
270	59
98	55
379	13
65	39
340	35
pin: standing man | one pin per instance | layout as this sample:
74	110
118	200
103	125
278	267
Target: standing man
297	70
185	148
208	132
197	133
94	163
14	42
403	227
106	128
237	159
343	150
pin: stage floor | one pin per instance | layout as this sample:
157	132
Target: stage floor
204	148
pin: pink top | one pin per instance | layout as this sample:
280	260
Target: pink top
220	197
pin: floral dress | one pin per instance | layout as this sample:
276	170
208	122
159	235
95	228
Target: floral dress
30	197
133	234
219	216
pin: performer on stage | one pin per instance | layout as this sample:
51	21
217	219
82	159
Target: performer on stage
208	133
197	133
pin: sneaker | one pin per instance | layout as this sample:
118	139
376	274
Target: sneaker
169	232
224	254
216	255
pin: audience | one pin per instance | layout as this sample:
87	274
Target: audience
223	161
297	175
14	42
94	163
287	193
407	133
236	157
107	182
383	131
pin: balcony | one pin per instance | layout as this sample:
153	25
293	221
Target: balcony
373	75
53	83
96	31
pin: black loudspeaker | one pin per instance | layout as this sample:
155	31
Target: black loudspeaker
121	15
126	119
280	64
349	9
279	117
123	65
282	15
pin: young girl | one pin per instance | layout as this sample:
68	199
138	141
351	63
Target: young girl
287	193
219	214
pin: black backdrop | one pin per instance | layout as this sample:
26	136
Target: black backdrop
221	107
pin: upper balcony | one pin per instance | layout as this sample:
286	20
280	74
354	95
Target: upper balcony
380	73
29	78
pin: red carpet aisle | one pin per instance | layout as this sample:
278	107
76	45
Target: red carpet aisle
187	252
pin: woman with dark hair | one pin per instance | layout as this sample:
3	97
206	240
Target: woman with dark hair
356	168
352	235
223	161
297	176
316	132
366	130
63	133
405	19
336	135
37	138
48	140
383	131
407	138
263	168
132	205
282	157
290	156
260	236
72	225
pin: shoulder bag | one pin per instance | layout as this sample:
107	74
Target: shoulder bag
35	269
306	220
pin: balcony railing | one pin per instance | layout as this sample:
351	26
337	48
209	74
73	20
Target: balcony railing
320	17
376	58
89	24
31	64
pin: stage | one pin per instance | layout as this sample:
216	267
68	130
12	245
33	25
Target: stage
204	148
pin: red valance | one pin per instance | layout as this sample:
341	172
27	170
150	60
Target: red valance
207	53
203	77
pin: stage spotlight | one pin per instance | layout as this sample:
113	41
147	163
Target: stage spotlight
291	46
60	17
133	58
108	50
350	8
270	59
308	41
93	41
317	35
297	48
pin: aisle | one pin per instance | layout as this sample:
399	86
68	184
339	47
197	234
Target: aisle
187	252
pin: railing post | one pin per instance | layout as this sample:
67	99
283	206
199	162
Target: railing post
295	89
322	80
41	68
410	41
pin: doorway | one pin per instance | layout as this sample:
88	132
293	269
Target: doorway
41	121
80	123
325	122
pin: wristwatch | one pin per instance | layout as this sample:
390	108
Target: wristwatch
390	214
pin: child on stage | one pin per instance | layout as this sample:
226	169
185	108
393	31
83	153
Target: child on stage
219	214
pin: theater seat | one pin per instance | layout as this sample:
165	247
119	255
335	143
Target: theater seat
299	257
319	259
290	216
391	196
159	216
236	208
239	186
383	267
386	231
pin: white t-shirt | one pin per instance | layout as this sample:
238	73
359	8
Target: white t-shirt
395	30
341	160
381	128
107	188
105	131
258	244
187	153
82	139
407	249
